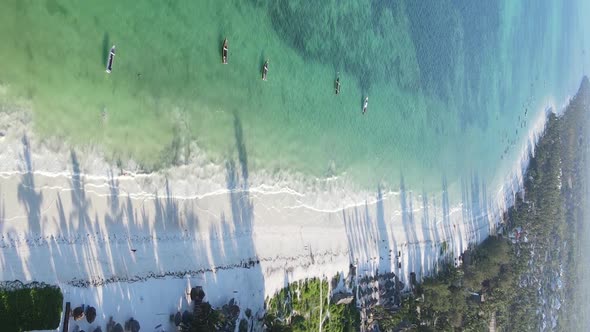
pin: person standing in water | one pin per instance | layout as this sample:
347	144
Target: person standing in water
366	105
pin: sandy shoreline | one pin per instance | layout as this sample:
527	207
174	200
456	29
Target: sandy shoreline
70	218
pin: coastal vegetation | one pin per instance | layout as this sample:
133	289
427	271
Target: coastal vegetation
304	306
27	307
205	317
575	147
301	306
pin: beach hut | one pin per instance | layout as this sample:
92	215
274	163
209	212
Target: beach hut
177	318
78	313
118	328
197	294
90	314
111	325
187	318
132	325
477	298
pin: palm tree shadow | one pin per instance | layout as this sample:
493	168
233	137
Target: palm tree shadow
240	145
2	211
383	241
237	182
105	48
80	202
26	192
235	235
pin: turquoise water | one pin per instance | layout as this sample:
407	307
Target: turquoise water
449	81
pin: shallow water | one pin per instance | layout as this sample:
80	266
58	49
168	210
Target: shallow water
453	85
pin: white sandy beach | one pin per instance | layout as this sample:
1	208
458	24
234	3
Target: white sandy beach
132	244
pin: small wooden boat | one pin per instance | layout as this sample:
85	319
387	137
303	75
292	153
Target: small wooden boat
111	60
224	51
366	105
264	70
337	85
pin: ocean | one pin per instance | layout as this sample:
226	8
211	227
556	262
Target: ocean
454	87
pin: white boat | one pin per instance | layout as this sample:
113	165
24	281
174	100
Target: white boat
224	51
111	59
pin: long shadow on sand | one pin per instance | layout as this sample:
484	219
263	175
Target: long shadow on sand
475	209
371	242
27	193
362	237
412	246
449	230
432	236
80	202
32	200
236	235
383	239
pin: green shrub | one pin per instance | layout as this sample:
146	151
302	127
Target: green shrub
27	308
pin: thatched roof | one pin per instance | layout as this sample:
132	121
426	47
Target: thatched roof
177	318
231	310
118	328
132	325
197	294
90	314
187	318
113	327
78	313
